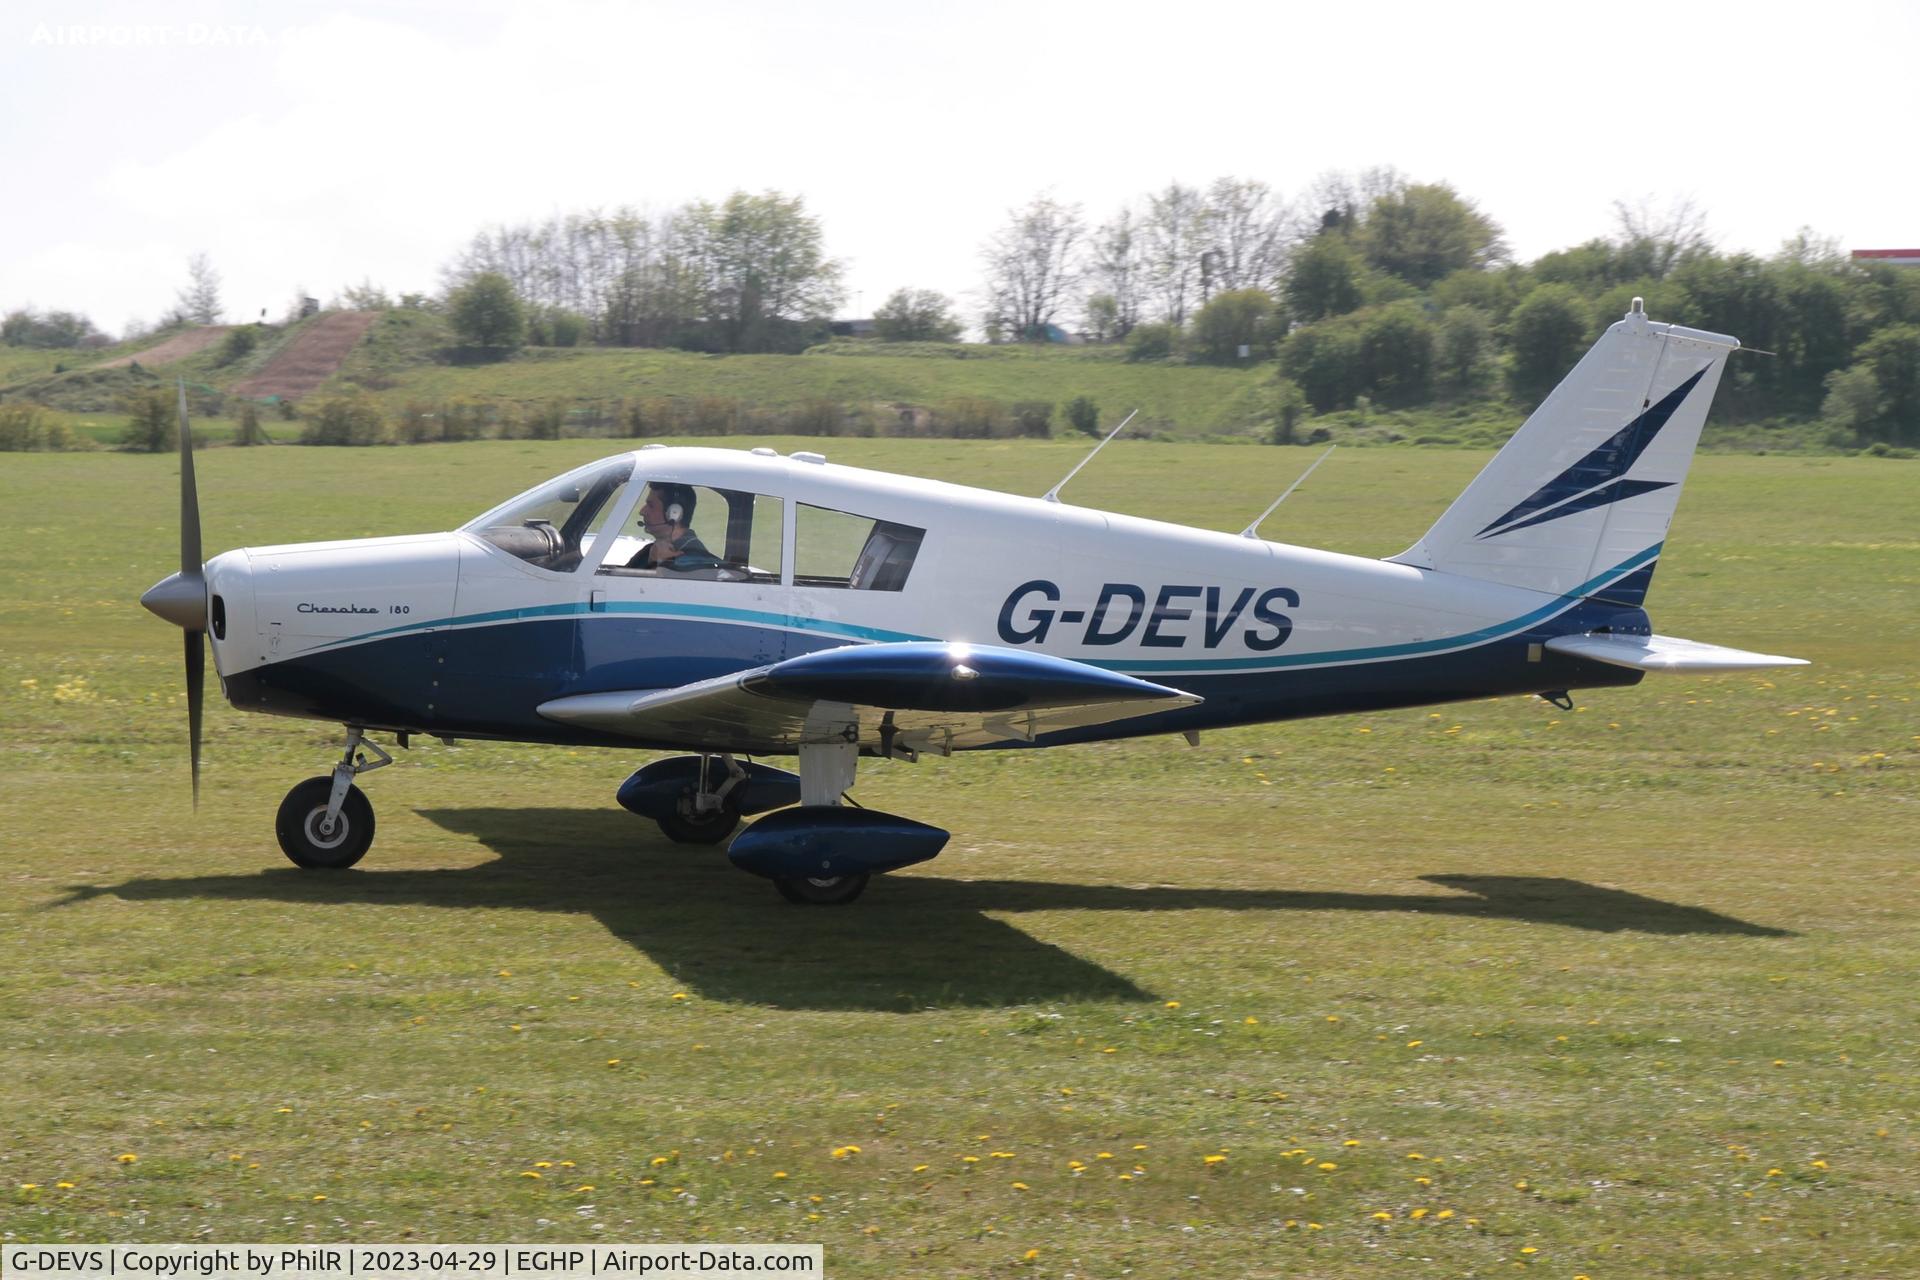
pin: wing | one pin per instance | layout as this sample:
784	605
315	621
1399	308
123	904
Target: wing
919	696
1665	653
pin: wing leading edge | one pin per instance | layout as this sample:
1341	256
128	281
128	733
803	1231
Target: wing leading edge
917	696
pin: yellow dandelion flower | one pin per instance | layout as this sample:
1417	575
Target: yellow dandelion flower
816	1199
1529	1249
1020	1186
969	1159
1109	1049
1030	1255
63	1186
1104	1155
997	1155
504	973
29	1186
1415	1155
1417	1214
779	1174
1173	1004
1774	1173
920	1168
1444	1214
585	1186
1423	1181
530	1173
568	1164
1314	1226
1075	1165
657	1161
1415	1044
648	1182
1351	1142
1333	1017
1383	1216
1250	1021
319	1198
543	1164
680	995
127	1157
613	1062
1126	1177
1819	1164
1327	1166
1139	1146
1215	1159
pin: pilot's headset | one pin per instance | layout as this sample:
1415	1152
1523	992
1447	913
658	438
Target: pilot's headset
679	500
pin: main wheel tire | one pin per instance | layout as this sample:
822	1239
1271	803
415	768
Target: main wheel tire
688	827
299	821
823	891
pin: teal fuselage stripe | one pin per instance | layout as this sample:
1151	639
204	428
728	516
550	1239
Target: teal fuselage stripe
850	631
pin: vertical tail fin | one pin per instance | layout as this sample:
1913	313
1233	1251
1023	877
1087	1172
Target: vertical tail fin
1580	498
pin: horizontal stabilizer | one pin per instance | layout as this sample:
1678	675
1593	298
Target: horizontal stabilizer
1666	653
914	696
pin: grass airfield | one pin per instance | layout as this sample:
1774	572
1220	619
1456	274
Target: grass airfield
1490	988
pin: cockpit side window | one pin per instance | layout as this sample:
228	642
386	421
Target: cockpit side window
556	525
858	553
717	535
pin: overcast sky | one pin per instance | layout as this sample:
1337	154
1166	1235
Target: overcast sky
313	145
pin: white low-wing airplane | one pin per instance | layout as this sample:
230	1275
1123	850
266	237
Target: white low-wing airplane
830	612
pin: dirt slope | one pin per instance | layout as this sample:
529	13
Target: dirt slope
310	359
178	347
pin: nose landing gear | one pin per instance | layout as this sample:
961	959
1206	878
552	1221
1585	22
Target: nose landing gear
326	823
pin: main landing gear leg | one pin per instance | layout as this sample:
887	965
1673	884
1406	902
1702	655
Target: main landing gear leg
826	774
704	813
326	823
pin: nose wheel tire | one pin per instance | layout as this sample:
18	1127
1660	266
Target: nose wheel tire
685	826
823	891
306	838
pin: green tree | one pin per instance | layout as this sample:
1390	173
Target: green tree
916	315
1548	333
153	422
486	314
250	432
1084	415
1396	355
1465	347
344	420
1324	360
1892	356
1153	341
754	271
1426	231
240	343
1287	408
1232	320
1326	279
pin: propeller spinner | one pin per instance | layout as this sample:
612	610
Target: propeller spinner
181	598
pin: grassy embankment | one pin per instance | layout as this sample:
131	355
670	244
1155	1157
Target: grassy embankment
398	363
1618	993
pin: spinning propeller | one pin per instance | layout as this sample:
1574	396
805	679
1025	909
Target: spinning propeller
181	598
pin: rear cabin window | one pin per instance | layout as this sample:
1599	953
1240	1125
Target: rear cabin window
857	553
731	536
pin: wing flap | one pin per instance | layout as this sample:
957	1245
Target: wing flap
1666	653
922	696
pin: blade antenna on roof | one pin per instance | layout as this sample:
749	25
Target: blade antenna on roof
1253	530
1053	494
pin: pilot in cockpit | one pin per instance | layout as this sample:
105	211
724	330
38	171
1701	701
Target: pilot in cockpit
667	516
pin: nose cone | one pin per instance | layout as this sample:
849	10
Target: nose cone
180	598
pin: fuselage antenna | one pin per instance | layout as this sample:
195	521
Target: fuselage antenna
1253	530
1053	494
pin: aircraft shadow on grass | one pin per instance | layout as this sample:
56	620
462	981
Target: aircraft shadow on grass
914	942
